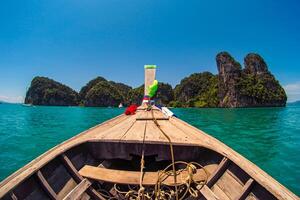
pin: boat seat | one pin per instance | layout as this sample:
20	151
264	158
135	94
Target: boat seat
133	177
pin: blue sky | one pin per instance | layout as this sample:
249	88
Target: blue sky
73	41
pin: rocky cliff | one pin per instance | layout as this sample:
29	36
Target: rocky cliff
45	91
233	86
253	86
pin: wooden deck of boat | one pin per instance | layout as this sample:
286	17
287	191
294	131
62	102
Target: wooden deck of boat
134	127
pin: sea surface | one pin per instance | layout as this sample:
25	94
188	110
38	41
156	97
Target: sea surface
269	137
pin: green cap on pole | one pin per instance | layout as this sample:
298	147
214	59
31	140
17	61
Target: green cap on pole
150	66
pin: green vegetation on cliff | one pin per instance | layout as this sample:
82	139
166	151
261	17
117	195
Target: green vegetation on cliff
197	90
233	86
84	90
264	88
135	96
103	93
45	91
252	86
122	88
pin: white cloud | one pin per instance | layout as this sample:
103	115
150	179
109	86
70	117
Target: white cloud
9	99
293	91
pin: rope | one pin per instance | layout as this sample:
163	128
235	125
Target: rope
171	150
142	189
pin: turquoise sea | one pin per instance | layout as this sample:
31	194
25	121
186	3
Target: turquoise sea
269	137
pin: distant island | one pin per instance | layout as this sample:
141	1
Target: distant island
295	103
233	86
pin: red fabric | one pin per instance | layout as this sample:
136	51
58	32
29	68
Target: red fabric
131	110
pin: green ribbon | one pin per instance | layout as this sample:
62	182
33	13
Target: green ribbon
153	88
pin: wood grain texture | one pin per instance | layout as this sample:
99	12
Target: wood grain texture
246	189
208	194
219	192
133	177
78	190
75	174
219	171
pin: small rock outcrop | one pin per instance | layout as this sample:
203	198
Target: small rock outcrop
253	86
255	64
45	91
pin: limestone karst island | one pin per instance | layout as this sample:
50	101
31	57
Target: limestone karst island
149	100
234	86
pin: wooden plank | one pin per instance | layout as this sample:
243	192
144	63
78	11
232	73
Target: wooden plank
85	196
45	185
176	134
159	114
218	173
220	193
246	189
136	132
71	168
229	185
251	196
119	130
133	177
70	185
153	133
78	190
208	194
74	173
